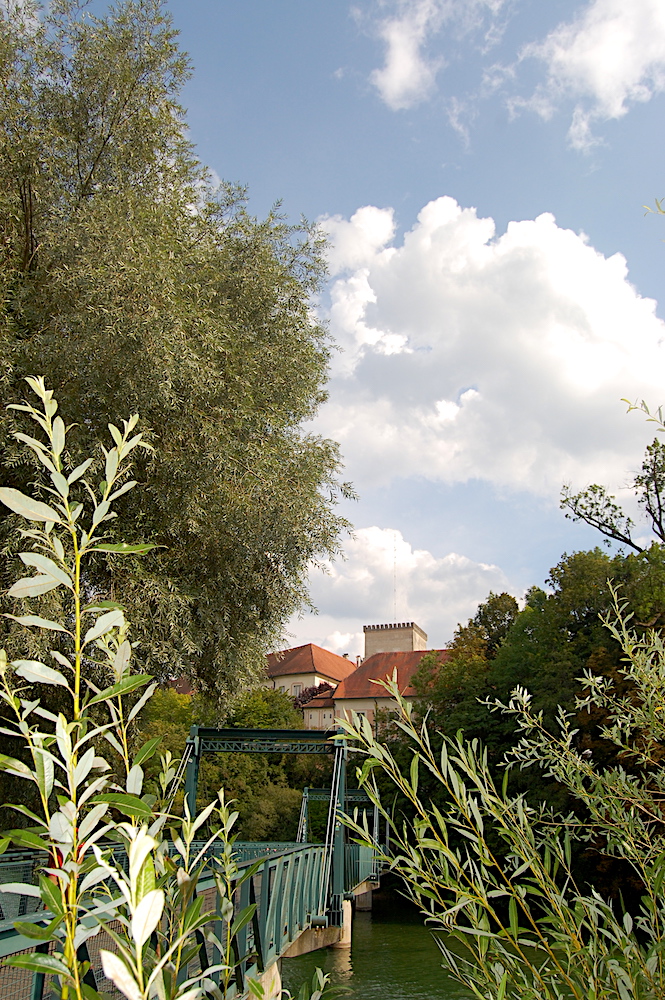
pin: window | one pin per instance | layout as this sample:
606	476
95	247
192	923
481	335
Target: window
281	688
296	690
311	716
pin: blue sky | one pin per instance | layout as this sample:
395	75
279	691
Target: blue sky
495	287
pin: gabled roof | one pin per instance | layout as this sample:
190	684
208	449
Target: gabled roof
320	701
379	667
310	659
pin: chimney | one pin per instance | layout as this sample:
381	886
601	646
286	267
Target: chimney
403	637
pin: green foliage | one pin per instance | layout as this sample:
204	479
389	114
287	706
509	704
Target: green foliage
266	787
449	687
84	888
264	708
271	813
515	923
87	771
131	282
599	509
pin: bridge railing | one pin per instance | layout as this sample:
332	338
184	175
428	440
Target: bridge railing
360	865
287	890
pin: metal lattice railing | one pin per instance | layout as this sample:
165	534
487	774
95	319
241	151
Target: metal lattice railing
286	890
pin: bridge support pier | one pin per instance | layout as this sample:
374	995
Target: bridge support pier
344	939
271	981
364	901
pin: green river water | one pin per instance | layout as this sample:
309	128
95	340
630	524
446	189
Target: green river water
392	957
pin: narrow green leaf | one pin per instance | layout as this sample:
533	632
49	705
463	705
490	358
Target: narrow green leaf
31	510
79	471
38	932
36	962
115	434
100	512
47	566
415	760
131	805
121	659
34	621
58	438
122	548
125	488
242	919
147	694
30	441
122	687
33	586
52	896
146	916
101	606
147	750
512	913
110	620
44	771
38	673
20	889
111	466
25	838
60	483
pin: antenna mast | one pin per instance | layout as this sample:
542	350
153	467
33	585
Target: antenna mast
394	577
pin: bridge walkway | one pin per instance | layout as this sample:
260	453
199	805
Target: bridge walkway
301	891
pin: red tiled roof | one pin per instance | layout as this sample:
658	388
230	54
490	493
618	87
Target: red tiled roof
379	667
321	701
310	659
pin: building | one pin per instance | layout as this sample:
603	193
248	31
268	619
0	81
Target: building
294	670
319	713
398	647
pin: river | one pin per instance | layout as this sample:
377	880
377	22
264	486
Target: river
392	957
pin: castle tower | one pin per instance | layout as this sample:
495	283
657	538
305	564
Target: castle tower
403	637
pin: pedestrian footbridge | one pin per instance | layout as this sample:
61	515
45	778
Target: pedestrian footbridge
302	891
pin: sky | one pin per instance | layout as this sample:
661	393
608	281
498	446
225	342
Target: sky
495	288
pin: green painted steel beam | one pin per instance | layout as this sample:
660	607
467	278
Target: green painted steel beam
207	741
351	795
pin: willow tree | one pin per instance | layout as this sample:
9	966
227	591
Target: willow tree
134	285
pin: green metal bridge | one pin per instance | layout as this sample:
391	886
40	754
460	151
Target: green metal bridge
302	891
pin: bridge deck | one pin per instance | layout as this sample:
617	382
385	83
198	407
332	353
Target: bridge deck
289	889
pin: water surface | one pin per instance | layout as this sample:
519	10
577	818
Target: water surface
392	957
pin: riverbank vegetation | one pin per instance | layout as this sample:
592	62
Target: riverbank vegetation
135	283
525	788
117	861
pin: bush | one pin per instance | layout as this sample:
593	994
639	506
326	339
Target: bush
515	923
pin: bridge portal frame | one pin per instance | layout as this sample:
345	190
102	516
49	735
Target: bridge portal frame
204	740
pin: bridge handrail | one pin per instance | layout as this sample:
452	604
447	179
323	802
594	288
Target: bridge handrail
285	888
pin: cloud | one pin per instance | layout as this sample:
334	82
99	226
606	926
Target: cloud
609	57
383	579
408	75
471	355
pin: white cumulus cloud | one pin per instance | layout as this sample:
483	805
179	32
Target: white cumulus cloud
611	55
384	579
471	355
408	75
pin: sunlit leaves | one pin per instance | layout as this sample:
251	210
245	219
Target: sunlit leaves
105	623
27	507
35	621
38	673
